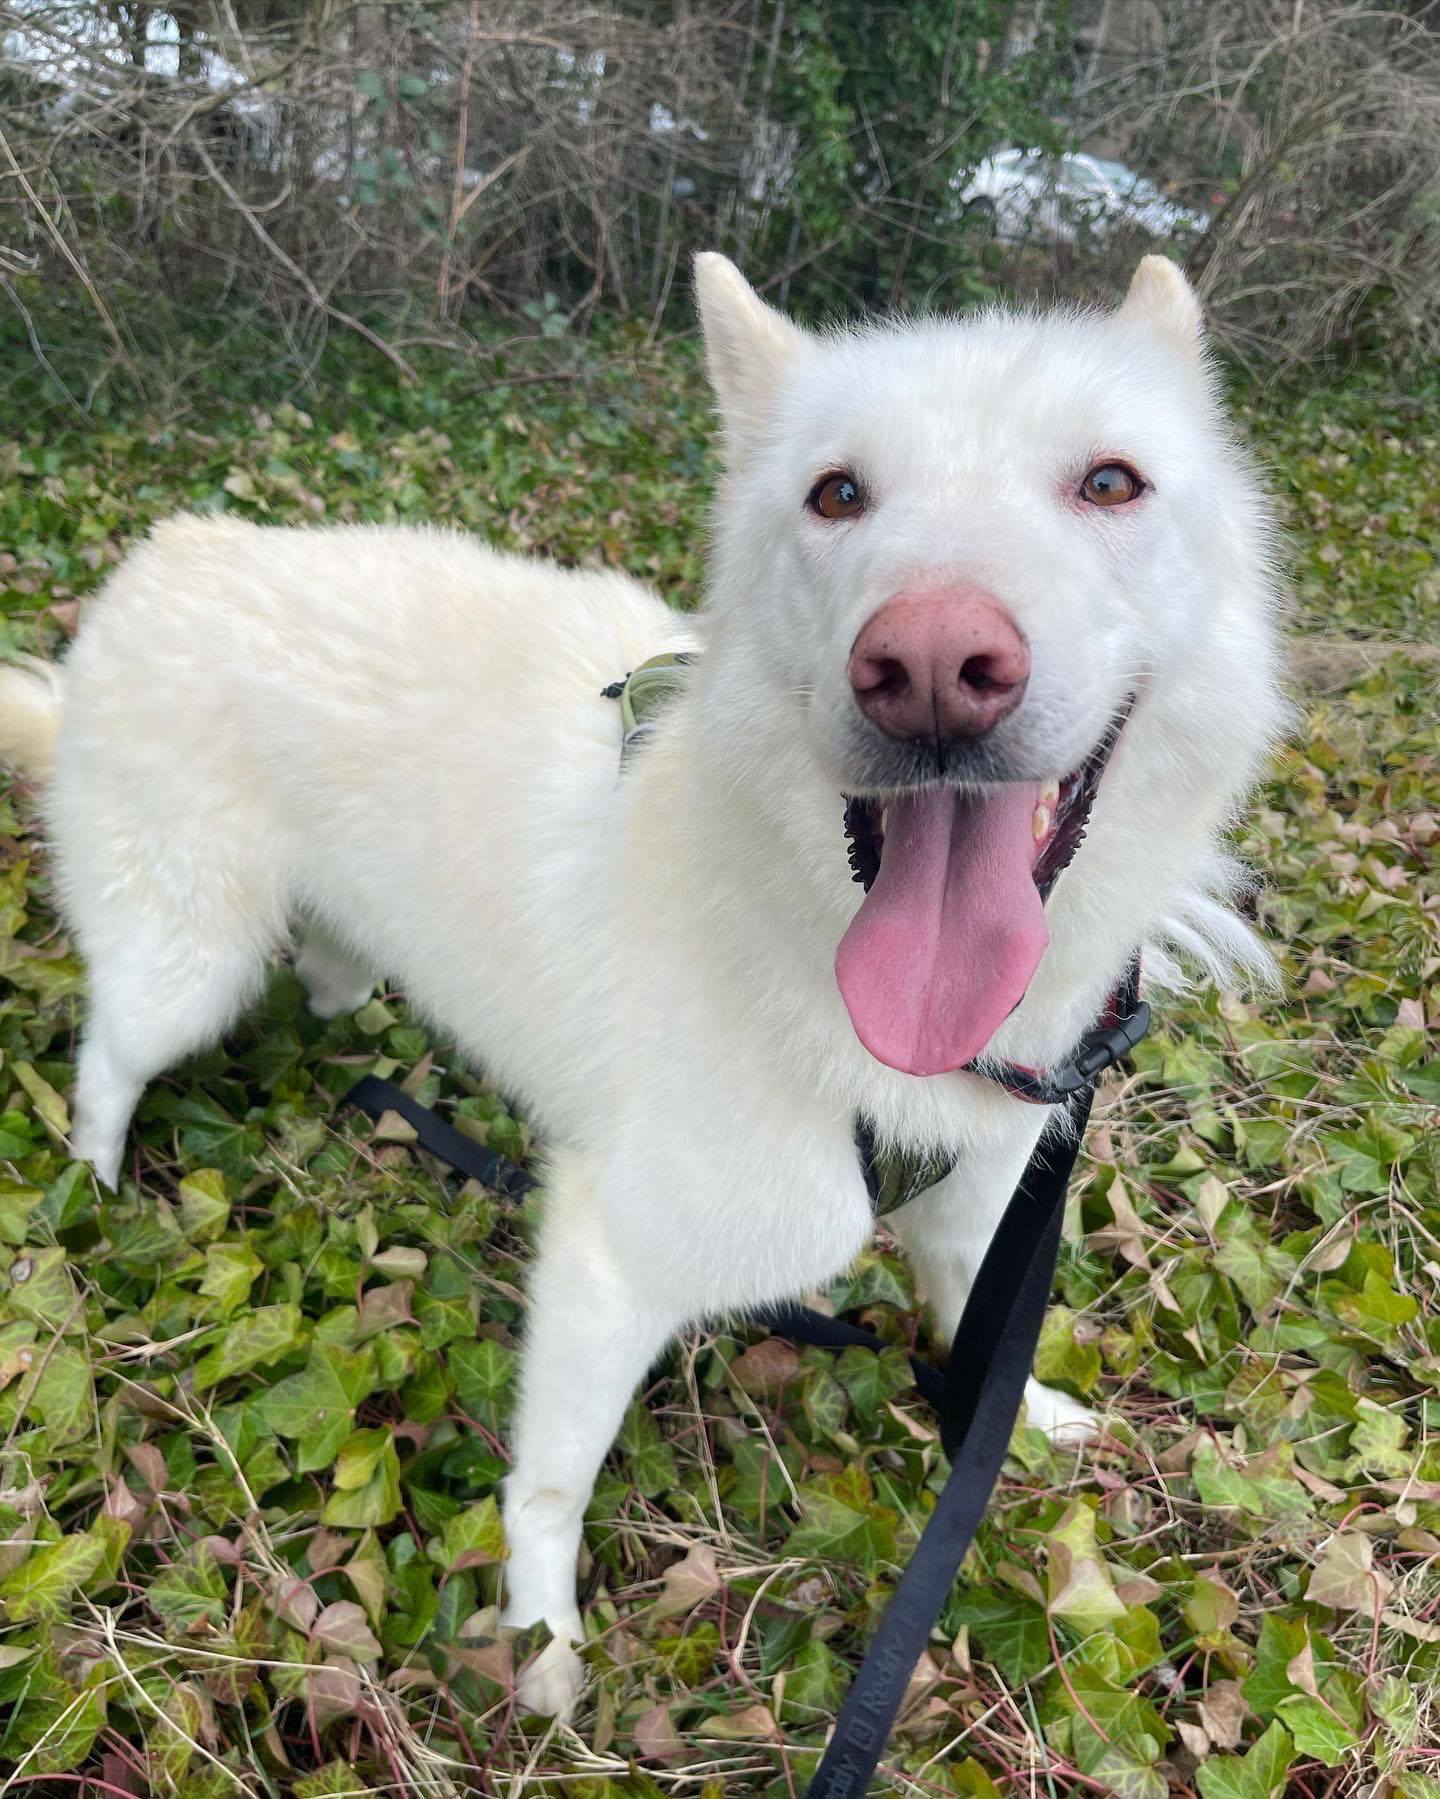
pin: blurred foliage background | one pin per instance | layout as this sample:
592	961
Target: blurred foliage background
238	179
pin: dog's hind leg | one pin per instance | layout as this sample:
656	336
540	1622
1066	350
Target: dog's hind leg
334	978
155	997
175	926
593	1330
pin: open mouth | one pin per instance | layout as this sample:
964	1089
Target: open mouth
953	923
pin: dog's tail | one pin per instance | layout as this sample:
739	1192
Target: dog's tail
30	698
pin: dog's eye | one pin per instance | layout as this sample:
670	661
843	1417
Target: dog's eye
836	496
1111	484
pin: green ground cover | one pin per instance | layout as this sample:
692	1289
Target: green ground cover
252	1425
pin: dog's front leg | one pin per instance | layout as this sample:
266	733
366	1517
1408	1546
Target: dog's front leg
593	1330
945	1233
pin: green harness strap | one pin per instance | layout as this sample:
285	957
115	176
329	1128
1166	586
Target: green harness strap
643	694
893	1177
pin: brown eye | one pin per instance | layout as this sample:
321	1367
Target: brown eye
837	496
1111	484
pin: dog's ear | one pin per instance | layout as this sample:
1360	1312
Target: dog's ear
747	344
1161	298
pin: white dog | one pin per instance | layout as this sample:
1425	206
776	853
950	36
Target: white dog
950	559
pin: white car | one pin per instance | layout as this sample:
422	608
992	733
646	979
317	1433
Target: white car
1031	194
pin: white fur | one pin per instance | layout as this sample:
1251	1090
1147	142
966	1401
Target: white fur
29	715
397	736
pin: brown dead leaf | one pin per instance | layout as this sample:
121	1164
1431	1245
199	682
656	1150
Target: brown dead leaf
332	1691
326	1549
390	1127
687	1583
342	1628
1222	1712
1345	1575
1194	1739
1138	1589
765	1367
925	1676
149	1464
656	1738
752	1724
384	1309
1300	1669
296	1604
1412	1627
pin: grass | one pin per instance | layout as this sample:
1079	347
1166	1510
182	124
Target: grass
252	1423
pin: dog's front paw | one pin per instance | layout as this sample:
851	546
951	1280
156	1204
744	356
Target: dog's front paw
1063	1419
337	1002
103	1153
551	1684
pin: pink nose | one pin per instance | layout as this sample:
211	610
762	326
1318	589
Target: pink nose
939	665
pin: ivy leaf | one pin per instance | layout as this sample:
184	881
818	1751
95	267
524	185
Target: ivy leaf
1282	1641
1259	1268
1105	1716
1377	1442
1062	1357
1211	1608
44	1581
342	1628
844	1525
230	1272
1377	1310
63	1396
1317	1729
261	1336
483	1372
1260	1774
872	1377
446	1307
204	1207
971	1781
1345	1575
367	1482
17	1202
473	1538
56	1723
211	1137
1125	1772
1013	1632
1079	1587
649	1460
191	1591
1261	1488
48	1104
317	1405
39	1286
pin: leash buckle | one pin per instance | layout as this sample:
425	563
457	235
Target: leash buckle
1101	1049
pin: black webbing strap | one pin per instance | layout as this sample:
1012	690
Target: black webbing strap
990	1361
376	1097
802	1325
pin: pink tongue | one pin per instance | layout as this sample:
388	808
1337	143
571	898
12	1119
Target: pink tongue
945	944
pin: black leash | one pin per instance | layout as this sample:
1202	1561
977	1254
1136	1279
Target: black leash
977	1399
464	1154
990	1361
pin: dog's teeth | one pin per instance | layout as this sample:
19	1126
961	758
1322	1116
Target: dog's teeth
884	818
1049	793
1040	824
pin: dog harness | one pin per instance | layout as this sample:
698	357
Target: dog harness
978	1395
